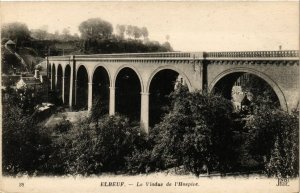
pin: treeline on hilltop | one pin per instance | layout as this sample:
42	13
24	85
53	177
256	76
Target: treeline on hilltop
97	36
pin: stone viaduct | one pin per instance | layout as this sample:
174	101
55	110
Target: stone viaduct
198	70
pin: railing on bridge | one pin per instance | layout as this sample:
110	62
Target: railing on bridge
253	54
186	55
140	55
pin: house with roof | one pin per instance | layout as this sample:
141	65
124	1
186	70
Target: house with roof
37	83
30	82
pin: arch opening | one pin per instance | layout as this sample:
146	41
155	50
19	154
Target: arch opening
59	81
161	85
82	88
67	84
128	98
101	89
245	89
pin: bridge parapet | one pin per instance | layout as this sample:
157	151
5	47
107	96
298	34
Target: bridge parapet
254	54
153	55
260	55
147	55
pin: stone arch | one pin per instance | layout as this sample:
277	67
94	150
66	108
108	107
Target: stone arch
101	82
169	67
59	77
132	68
161	83
108	72
82	79
265	77
128	88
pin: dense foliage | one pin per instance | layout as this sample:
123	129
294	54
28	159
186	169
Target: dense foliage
195	133
16	31
101	148
273	141
25	143
198	134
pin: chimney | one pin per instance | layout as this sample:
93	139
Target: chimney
36	74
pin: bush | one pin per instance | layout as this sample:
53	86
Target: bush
63	126
140	161
92	149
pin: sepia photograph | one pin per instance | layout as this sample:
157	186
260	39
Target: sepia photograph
149	96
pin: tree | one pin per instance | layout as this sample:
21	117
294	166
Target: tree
25	145
99	109
121	30
144	32
56	33
66	32
273	141
195	133
16	31
95	28
39	34
167	46
129	30
136	32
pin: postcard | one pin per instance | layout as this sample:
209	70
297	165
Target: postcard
149	96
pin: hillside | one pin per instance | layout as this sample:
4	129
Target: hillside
34	52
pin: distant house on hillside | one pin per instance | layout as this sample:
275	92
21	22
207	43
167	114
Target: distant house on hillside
10	45
38	83
29	81
11	60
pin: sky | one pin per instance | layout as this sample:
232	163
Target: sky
191	26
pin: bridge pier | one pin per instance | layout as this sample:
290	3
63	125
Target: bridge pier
112	96
71	89
145	111
63	89
90	96
55	83
51	84
75	92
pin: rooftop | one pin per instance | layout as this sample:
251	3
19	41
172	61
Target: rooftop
30	80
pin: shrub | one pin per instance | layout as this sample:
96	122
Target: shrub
140	161
63	126
92	149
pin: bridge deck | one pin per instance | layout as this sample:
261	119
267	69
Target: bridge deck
246	55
